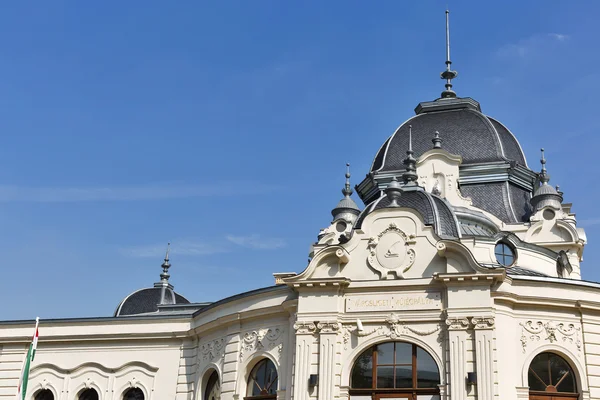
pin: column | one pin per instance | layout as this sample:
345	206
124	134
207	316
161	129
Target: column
328	338
457	346
484	355
304	339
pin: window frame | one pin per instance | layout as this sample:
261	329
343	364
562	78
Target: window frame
511	248
208	382
550	394
249	377
378	392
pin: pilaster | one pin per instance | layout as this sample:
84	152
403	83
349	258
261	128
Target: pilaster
328	343
305	331
457	345
484	355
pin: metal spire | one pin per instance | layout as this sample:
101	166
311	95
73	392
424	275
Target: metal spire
544	177
437	142
411	168
347	190
164	276
448	74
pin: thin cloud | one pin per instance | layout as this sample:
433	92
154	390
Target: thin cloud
184	248
588	222
531	45
128	193
257	242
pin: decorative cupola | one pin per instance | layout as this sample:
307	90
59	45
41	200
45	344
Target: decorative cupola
346	209
147	300
545	195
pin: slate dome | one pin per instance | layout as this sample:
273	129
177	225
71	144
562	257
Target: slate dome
464	129
146	300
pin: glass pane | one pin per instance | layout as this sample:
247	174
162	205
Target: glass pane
262	379
88	394
428	397
562	375
539	375
428	375
134	394
45	394
508	259
385	353
404	376
404	353
385	377
362	373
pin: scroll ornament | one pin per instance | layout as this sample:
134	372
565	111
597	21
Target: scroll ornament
549	331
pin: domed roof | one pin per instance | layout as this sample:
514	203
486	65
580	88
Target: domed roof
465	130
147	301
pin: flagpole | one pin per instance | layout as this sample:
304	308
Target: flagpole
22	388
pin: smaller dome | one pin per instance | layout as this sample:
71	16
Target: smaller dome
147	300
434	210
544	190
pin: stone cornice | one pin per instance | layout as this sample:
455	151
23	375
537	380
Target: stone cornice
466	278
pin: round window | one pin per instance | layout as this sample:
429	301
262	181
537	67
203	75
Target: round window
505	255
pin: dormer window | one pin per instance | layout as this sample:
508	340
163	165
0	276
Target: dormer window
505	255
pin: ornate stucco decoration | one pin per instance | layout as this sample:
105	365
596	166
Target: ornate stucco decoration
329	326
483	322
394	330
212	350
457	323
305	327
262	339
391	251
549	331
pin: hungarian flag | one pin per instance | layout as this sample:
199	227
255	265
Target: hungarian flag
27	363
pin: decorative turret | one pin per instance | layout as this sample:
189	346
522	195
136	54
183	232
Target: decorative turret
545	195
346	209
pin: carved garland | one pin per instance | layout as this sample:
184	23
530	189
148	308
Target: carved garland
534	331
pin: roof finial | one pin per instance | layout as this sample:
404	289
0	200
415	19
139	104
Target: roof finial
393	192
544	177
411	169
448	74
164	276
347	190
437	142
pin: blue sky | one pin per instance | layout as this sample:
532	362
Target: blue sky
224	127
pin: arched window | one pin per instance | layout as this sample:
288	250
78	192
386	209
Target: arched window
44	394
550	374
133	394
395	368
262	381
88	394
213	387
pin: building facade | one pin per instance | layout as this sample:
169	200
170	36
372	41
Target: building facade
459	279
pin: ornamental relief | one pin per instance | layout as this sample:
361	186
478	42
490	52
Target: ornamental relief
270	340
550	331
393	329
211	351
391	252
